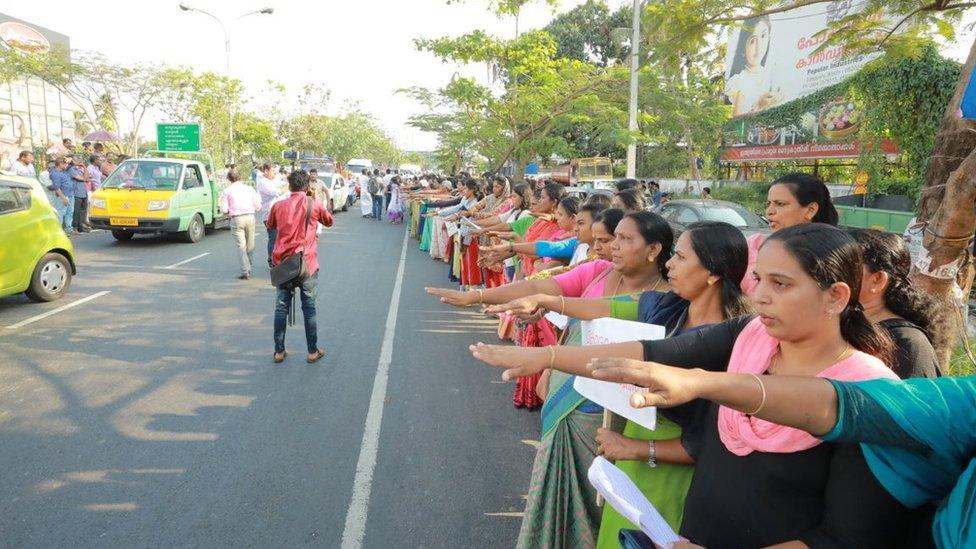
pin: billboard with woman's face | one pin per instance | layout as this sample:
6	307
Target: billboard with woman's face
778	58
775	59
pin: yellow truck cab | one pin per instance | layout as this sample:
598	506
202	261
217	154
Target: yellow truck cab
162	193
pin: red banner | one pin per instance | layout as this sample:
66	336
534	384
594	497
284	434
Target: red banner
800	151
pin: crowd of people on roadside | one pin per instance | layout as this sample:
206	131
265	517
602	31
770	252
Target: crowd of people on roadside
782	419
68	178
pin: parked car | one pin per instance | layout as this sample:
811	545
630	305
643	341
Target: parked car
681	213
36	256
338	191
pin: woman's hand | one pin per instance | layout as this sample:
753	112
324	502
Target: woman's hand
665	386
615	446
454	297
522	307
517	361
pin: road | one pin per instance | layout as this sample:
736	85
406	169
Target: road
149	413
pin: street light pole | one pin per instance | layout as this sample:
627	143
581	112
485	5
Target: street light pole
223	27
634	64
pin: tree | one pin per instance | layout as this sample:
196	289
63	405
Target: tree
948	205
102	90
591	33
543	93
205	98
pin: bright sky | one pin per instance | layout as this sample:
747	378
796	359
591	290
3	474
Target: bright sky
362	49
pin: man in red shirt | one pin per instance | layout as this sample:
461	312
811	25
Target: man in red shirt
294	235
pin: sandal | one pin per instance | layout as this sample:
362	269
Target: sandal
316	356
280	357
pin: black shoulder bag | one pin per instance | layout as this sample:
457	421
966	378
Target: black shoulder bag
293	270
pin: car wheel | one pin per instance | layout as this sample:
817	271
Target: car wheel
195	231
345	205
122	236
51	278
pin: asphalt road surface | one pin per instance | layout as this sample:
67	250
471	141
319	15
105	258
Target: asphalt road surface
149	413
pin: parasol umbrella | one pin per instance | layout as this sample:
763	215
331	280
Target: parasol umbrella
101	135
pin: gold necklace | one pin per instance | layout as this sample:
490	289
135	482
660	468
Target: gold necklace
773	362
616	289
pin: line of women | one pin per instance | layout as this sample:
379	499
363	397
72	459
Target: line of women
809	301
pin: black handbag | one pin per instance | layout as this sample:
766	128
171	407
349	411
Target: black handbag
293	270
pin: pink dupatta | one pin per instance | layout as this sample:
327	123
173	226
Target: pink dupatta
752	353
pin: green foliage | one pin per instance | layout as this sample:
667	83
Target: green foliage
587	33
353	134
507	7
752	196
546	97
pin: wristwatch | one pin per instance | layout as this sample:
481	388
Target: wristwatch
652	454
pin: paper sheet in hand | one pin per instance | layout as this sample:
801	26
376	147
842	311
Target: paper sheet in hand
627	499
470	224
616	396
558	320
452	228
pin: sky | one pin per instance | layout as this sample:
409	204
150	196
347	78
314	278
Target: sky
362	50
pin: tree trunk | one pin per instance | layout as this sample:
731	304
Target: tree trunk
948	207
692	159
519	174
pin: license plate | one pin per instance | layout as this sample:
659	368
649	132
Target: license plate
123	222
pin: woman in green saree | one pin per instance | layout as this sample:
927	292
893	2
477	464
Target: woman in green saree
709	261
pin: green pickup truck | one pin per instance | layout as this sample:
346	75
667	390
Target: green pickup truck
161	193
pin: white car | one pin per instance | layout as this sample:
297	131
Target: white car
337	191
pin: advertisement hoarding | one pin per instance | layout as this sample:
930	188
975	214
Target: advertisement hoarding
776	59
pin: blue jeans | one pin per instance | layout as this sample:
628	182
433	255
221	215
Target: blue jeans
308	293
378	206
272	236
67	213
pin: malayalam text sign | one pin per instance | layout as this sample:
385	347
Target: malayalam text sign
178	137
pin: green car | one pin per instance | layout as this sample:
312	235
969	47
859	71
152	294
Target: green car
36	257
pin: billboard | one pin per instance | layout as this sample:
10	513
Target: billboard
775	59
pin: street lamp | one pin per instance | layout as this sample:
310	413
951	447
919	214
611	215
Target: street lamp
223	27
634	66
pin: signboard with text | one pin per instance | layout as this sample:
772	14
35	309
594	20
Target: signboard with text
776	59
178	137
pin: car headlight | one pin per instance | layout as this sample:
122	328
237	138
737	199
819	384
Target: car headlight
156	205
98	203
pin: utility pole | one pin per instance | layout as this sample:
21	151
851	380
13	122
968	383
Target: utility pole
223	27
634	63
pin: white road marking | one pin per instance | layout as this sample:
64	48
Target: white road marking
58	310
507	514
185	261
355	528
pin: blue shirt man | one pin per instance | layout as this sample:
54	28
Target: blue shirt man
77	174
61	181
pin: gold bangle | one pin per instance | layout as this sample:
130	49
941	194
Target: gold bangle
481	297
762	403
562	305
552	356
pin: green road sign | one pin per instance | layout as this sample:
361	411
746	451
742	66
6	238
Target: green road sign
178	137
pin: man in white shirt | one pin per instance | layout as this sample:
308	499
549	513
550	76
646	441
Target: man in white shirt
24	165
240	202
269	188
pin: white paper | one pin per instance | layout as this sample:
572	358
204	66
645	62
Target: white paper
616	396
629	501
558	320
471	224
452	228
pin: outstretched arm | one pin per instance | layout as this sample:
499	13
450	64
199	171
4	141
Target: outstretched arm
806	403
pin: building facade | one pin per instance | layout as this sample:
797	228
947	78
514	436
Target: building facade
33	114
